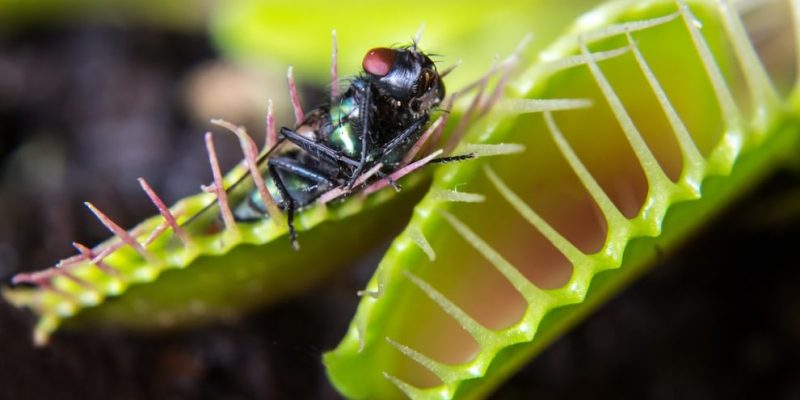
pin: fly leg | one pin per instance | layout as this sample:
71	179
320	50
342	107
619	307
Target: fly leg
296	198
412	129
317	149
393	183
415	127
288	203
449	159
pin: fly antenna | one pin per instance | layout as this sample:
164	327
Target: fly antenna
298	109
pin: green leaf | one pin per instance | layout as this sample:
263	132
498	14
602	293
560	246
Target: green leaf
269	33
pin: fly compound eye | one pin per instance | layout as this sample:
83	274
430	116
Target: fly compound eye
378	61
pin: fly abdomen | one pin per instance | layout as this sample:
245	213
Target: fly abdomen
343	132
302	184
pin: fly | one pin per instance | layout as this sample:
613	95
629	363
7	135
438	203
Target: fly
370	127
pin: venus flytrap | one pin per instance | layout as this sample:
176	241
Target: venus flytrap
625	136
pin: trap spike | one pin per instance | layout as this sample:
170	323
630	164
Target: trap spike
450	69
89	255
476	84
456	196
165	212
730	113
795	6
160	229
517	53
298	109
617	29
375	294
436	134
615	221
26	277
572	253
689	151
42	279
250	152
361	332
334	67
401	173
410	391
491	150
105	251
122	234
478	106
485	337
507	67
497	93
443	371
271	138
416	235
81	282
71	261
525	106
464	122
758	82
218	187
412	152
47	284
531	293
335	193
559	64
656	177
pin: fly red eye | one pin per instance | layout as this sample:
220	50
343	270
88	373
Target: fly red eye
378	61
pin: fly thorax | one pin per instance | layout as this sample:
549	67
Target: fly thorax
343	135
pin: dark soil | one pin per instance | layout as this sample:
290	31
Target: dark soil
84	111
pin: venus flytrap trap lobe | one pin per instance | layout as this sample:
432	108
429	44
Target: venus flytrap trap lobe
197	255
465	301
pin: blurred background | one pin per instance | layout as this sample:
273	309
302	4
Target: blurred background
94	94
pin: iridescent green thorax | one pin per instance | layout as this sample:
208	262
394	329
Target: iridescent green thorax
343	136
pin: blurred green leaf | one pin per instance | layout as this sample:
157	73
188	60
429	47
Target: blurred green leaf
298	33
